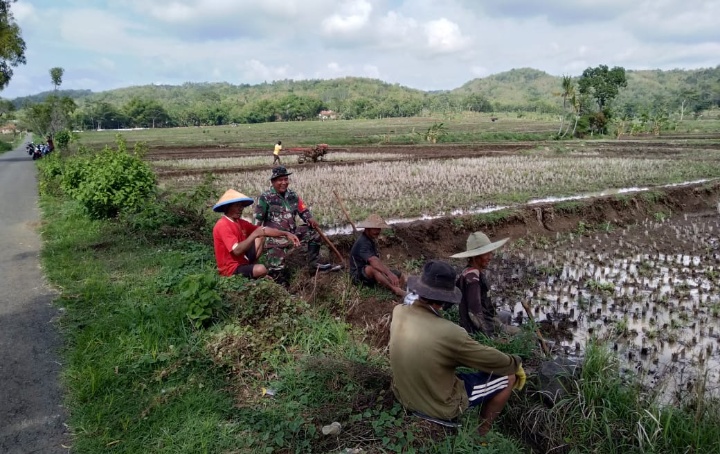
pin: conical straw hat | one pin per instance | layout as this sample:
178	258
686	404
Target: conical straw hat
232	196
373	222
478	244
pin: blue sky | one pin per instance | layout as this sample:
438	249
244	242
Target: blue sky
425	44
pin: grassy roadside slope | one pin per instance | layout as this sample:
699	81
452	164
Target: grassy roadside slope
145	371
136	377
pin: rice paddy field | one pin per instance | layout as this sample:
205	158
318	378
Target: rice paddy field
652	290
402	187
648	283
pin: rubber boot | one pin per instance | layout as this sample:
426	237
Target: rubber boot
312	254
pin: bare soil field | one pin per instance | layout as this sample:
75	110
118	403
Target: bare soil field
650	147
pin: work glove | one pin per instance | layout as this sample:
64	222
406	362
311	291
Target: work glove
520	378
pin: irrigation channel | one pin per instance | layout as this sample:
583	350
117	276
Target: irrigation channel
638	268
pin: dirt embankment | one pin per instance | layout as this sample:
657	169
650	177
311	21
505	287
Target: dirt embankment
443	237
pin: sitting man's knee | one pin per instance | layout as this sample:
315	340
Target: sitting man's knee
259	271
370	273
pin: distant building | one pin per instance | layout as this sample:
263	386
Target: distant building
327	115
9	128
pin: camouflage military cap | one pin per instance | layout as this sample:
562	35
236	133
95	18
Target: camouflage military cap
279	171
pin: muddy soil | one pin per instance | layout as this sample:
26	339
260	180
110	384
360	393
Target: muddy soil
648	148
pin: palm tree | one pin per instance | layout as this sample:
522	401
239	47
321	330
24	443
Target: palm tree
56	75
568	88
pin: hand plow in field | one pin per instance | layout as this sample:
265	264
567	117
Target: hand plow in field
315	153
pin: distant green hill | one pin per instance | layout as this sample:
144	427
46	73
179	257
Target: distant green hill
23	101
523	89
517	89
530	89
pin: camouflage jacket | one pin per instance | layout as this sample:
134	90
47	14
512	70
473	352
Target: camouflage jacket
279	211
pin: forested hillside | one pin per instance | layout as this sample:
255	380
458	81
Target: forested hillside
532	90
518	90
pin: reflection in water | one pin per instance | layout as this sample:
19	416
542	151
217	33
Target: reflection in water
651	290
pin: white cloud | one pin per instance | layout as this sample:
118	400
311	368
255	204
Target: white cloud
371	71
479	71
100	31
673	21
184	11
105	63
24	12
334	69
556	11
256	70
444	36
354	15
395	29
424	44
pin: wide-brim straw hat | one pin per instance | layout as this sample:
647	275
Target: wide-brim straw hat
478	244
436	283
373	222
232	196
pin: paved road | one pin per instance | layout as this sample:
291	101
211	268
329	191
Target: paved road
31	415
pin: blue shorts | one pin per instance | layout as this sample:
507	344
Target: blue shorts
480	386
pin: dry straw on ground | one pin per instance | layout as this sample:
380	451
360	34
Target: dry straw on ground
431	187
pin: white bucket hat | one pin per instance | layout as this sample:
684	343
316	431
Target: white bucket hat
477	244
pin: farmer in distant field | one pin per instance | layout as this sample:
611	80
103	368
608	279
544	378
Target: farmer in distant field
477	312
425	349
276	153
277	208
366	268
238	244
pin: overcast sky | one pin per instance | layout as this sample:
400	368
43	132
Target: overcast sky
425	44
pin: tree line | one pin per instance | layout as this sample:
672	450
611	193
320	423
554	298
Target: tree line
522	90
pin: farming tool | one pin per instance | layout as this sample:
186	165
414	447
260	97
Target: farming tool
331	246
541	340
342	207
315	153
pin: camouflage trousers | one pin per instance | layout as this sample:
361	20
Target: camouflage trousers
278	248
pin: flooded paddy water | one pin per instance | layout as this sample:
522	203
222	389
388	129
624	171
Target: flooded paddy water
651	290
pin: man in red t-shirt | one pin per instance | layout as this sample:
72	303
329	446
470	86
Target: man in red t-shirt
238	243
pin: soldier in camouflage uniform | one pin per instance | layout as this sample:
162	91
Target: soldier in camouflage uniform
277	208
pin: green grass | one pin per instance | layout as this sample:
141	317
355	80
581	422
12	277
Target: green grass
6	146
569	206
606	412
136	374
142	377
467	128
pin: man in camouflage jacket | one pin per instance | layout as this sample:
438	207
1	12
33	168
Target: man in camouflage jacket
277	208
